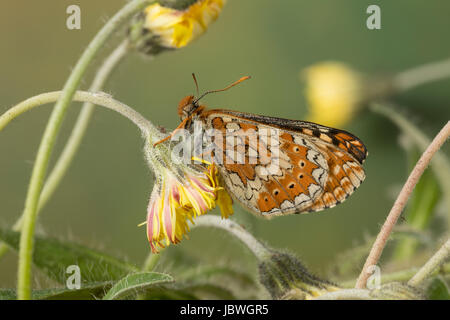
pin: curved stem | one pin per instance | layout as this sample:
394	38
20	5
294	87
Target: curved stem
98	98
442	255
401	276
232	227
420	75
78	132
48	141
439	163
400	203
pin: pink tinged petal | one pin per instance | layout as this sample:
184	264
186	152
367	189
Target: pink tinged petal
150	215
174	216
176	193
157	219
203	186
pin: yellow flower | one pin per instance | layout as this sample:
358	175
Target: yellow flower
333	93
177	28
177	200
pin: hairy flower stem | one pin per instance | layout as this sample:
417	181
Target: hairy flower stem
346	294
409	79
151	261
78	132
48	142
400	276
258	249
400	203
98	98
439	163
441	256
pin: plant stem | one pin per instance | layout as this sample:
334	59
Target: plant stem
400	203
439	163
146	127
48	142
420	75
99	98
435	262
78	132
236	230
402	276
151	261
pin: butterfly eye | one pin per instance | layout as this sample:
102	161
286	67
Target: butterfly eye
276	192
292	185
266	199
300	176
296	149
302	163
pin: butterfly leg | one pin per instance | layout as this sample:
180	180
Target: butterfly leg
182	125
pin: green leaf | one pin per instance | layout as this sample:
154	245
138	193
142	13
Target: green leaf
53	256
183	291
91	292
439	164
438	290
7	294
135	283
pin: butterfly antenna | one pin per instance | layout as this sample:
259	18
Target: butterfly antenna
196	83
224	89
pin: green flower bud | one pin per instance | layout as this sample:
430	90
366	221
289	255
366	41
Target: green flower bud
286	278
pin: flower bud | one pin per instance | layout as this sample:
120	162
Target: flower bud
286	278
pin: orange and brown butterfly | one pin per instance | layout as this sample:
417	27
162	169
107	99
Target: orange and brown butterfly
318	167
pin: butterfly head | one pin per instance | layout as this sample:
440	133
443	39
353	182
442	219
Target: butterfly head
189	106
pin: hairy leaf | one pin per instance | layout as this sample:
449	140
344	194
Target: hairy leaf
135	283
53	257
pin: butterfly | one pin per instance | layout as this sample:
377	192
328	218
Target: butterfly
317	167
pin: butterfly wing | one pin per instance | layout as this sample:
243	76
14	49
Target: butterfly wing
277	166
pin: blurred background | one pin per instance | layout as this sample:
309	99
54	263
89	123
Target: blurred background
104	196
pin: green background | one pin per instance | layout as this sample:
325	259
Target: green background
104	195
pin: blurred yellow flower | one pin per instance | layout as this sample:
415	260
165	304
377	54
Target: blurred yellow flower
175	200
333	92
177	28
